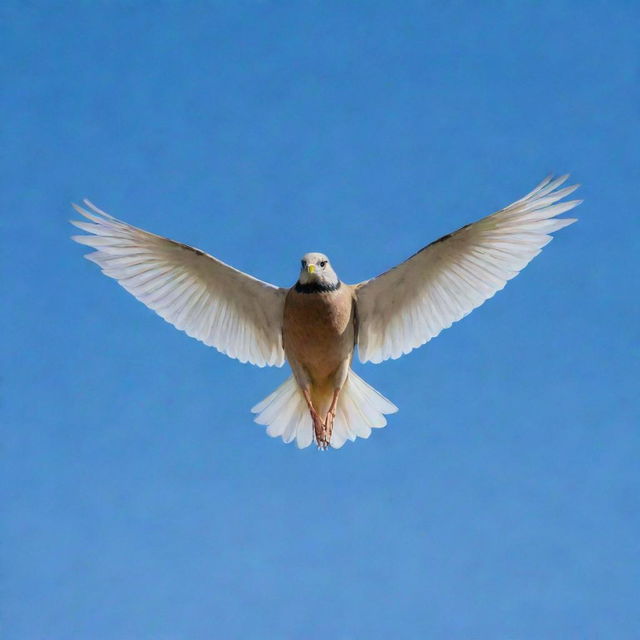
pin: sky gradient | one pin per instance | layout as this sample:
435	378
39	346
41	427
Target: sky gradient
139	500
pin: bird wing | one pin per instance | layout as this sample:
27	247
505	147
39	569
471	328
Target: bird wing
209	300
413	302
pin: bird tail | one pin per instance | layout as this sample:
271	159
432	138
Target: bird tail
360	409
285	414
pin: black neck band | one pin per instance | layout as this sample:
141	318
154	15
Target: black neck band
316	287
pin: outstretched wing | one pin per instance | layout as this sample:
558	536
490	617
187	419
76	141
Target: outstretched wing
209	300
413	302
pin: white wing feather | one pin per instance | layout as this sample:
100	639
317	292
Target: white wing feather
209	300
413	302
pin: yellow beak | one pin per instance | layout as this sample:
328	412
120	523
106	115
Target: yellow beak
311	268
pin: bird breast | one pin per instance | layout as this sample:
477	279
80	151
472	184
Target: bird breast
318	329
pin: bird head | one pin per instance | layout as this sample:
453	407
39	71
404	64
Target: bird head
316	269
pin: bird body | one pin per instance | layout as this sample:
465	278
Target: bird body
318	331
317	324
318	334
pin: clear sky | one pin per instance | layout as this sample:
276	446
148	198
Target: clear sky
139	500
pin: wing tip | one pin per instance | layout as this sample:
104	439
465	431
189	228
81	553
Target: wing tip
567	221
78	208
94	214
95	209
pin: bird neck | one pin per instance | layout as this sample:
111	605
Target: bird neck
316	287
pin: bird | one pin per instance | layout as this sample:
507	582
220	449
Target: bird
317	324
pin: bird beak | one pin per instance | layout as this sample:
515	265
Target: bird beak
311	268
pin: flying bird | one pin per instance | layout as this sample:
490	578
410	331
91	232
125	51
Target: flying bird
316	324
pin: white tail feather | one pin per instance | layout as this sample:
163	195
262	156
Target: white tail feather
360	409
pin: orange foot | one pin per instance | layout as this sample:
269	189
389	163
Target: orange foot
328	426
319	430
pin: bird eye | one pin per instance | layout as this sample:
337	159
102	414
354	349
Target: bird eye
323	263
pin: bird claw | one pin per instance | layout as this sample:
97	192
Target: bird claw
319	431
328	426
323	429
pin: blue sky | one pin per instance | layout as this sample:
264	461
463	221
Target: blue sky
140	501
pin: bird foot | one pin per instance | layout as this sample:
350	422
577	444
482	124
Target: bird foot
328	427
320	431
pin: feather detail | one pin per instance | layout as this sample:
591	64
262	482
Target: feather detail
413	302
198	294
